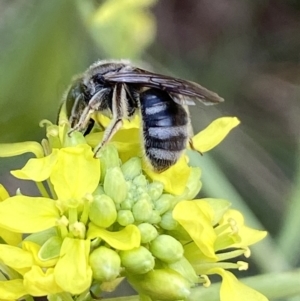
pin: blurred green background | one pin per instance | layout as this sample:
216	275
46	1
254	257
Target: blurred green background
247	51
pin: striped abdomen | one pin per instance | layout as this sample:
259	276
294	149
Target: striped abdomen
165	128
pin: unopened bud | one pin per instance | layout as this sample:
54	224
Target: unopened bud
142	210
166	248
155	190
161	284
155	217
125	217
109	158
132	168
99	190
140	181
164	203
138	260
168	222
50	249
74	139
103	211
127	204
185	269
148	232
105	264
115	185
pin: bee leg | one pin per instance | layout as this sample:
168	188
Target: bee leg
119	111
85	117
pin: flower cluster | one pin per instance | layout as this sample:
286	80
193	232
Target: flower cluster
99	220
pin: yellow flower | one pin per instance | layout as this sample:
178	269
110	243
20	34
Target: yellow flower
234	290
6	235
213	227
73	175
116	205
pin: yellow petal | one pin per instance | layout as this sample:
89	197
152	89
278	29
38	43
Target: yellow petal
34	249
3	193
25	214
72	271
248	236
15	257
214	133
76	173
10	237
175	178
105	121
197	223
15	149
234	290
127	142
195	256
12	289
220	206
37	170
126	239
39	283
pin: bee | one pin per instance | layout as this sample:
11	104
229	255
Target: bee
120	90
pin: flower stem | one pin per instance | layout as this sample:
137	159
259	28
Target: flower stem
42	189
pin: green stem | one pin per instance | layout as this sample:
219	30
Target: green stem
52	191
42	189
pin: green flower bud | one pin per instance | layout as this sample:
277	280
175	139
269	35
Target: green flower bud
166	248
137	261
148	232
141	191
99	190
132	168
180	233
105	264
168	222
74	139
125	217
145	195
155	218
103	211
50	249
185	269
127	204
164	203
41	237
109	158
142	210
140	181
115	185
155	190
161	284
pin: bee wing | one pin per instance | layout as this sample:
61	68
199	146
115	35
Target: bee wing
166	83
